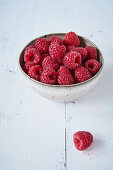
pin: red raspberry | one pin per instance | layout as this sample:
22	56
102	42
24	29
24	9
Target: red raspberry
80	50
92	52
65	79
71	39
64	70
92	65
27	66
32	56
56	51
48	76
82	74
82	140
72	59
49	62
42	44
35	72
55	39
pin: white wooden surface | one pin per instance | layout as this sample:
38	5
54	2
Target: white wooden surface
36	133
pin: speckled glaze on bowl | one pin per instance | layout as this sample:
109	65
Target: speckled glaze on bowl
64	92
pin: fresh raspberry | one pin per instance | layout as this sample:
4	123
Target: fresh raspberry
72	59
80	50
48	76
35	72
82	140
32	56
56	51
92	65
71	39
55	39
27	66
48	62
92	52
82	74
64	70
65	79
42	44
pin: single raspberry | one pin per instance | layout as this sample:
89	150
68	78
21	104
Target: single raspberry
80	50
35	72
92	52
27	66
48	76
92	65
55	39
71	39
64	70
82	140
47	61
72	59
56	51
82	74
65	79
42	44
32	56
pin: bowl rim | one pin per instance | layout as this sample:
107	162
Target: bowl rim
53	85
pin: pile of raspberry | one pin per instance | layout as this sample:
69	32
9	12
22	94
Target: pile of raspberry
61	61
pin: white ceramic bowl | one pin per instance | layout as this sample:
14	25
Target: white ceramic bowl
64	92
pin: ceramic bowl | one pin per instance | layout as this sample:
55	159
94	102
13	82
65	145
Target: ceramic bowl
64	92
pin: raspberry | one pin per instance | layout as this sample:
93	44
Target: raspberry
42	44
71	39
35	72
64	70
48	76
56	51
82	74
47	61
92	52
27	66
65	79
72	60
92	65
32	56
82	140
55	39
80	50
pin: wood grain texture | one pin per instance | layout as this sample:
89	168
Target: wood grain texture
36	133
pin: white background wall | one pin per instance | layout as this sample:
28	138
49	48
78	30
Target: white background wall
32	129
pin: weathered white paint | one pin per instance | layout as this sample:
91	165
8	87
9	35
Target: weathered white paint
32	129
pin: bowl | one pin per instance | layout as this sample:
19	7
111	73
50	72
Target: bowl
62	92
